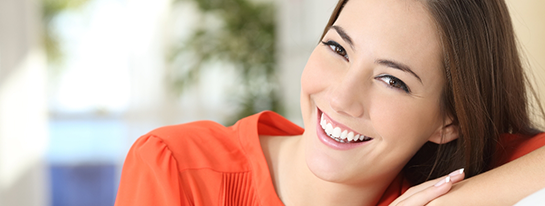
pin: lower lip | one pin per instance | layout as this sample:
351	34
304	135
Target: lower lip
324	138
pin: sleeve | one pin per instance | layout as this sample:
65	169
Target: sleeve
149	175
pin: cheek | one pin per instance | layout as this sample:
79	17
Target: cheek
317	73
310	84
403	128
398	121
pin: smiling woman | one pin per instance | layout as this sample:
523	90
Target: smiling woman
354	80
396	93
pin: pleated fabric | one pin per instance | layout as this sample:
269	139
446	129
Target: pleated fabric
237	189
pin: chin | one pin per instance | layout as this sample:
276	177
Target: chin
324	170
334	172
324	165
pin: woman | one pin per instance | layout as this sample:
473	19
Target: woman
398	92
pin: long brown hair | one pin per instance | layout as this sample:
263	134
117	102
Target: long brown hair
485	91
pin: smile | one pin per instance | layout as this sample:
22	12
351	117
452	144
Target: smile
338	133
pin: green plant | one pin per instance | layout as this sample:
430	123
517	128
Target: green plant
246	40
50	10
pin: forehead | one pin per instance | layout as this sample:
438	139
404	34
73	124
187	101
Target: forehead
400	29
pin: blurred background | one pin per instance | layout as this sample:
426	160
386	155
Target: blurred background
80	80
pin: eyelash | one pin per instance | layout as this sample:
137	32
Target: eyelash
395	83
337	48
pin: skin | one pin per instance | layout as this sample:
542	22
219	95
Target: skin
351	83
504	185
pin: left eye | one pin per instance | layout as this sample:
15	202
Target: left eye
394	82
337	48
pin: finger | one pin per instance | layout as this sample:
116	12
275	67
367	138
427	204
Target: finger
455	177
426	195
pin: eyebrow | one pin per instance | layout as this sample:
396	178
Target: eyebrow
385	62
397	65
343	35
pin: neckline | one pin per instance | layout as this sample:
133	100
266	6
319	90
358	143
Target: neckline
263	123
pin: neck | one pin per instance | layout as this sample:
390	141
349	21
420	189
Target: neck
295	184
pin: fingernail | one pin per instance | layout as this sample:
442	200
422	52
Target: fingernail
457	172
443	181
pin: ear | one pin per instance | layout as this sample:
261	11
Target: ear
446	133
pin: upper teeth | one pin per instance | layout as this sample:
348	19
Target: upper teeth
339	134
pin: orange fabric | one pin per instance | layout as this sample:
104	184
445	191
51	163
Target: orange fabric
204	163
513	146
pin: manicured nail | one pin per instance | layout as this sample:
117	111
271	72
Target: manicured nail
457	172
443	181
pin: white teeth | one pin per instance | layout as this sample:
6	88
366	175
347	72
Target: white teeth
322	121
350	136
339	135
337	132
329	129
322	118
344	134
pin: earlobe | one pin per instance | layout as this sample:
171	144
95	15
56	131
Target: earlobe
445	134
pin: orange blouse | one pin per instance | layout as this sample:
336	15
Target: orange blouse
205	163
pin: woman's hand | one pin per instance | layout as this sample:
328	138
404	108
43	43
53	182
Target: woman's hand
423	193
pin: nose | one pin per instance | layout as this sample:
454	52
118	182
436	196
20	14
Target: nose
347	96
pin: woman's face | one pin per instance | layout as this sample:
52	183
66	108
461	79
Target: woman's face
377	75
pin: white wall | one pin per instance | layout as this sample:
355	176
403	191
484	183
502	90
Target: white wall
23	115
529	22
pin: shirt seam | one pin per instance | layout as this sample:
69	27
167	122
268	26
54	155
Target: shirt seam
239	139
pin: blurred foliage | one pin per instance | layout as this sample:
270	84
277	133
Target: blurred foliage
50	10
245	38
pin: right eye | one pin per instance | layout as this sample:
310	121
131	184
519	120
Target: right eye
337	48
394	82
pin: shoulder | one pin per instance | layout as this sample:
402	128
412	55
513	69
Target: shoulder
520	142
197	126
513	146
199	132
199	145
